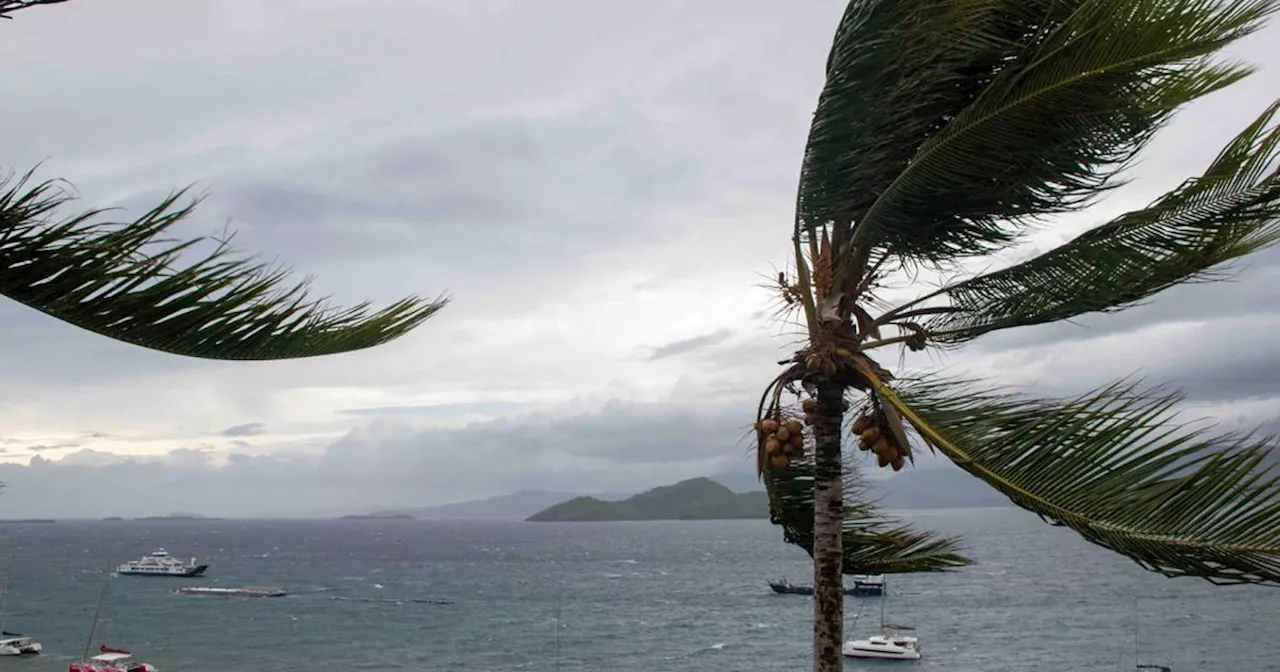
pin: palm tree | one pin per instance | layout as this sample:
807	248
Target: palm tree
946	128
124	281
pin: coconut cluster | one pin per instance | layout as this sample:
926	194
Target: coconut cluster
783	441
874	435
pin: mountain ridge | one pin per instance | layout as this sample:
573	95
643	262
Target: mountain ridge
693	499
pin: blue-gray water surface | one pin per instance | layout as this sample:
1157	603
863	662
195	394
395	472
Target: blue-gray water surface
687	596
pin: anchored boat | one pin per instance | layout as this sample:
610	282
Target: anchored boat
247	591
160	563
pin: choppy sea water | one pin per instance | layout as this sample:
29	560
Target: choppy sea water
631	596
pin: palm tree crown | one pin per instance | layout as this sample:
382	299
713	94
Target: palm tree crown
946	128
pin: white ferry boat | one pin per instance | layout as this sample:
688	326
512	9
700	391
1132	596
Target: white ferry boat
160	563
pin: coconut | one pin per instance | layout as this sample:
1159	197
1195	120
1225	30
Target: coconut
860	425
796	441
769	425
779	462
882	460
794	426
810	418
809	405
783	434
871	434
863	444
773	446
896	462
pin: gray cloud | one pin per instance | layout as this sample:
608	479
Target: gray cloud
247	429
442	411
588	181
690	344
41	447
619	447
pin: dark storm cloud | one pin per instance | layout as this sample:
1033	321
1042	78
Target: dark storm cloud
247	429
493	196
690	344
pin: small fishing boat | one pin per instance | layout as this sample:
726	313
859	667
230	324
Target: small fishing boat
785	587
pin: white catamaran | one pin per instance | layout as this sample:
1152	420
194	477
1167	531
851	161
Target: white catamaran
888	645
13	643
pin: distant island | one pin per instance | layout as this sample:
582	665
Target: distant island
27	520
378	516
694	499
179	517
515	506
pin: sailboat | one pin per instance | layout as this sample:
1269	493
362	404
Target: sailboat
109	658
887	645
13	643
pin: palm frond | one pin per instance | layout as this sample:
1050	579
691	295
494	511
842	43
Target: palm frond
1006	109
1231	210
122	281
7	6
872	544
896	72
1112	466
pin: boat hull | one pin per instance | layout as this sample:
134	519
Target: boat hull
198	570
881	655
882	649
789	589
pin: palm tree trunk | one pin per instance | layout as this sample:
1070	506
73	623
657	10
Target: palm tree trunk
828	523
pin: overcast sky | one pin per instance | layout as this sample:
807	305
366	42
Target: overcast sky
600	186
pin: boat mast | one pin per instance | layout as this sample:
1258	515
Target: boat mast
102	598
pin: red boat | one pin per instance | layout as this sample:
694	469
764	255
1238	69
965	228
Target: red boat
111	660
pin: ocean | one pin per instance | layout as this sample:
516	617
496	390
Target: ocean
651	597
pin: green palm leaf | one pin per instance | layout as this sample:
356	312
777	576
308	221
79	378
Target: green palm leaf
872	544
122	281
1231	210
1112	466
1025	108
